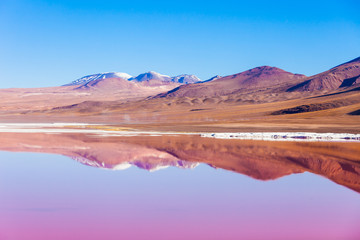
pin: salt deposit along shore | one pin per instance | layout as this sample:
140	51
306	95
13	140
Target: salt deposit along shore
286	136
105	130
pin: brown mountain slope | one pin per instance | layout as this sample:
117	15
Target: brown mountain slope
256	78
344	75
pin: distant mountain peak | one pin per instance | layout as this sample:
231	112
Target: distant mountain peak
155	76
186	78
98	76
151	75
266	69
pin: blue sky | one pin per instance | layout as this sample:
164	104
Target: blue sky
50	43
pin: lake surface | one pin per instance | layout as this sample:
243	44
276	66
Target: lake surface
83	186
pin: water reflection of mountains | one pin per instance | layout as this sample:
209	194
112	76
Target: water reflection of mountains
339	162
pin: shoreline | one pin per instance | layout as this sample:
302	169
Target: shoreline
109	130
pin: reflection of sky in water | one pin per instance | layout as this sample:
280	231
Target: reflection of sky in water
53	197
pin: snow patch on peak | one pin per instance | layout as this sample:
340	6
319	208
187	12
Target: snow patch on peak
123	75
158	74
186	79
151	75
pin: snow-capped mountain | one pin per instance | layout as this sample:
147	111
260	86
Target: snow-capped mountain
151	76
182	79
94	77
186	79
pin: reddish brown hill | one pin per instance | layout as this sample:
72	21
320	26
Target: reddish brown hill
255	78
109	84
344	75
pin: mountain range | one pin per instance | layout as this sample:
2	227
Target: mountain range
344	75
259	95
150	78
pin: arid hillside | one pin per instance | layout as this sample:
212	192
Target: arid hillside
344	75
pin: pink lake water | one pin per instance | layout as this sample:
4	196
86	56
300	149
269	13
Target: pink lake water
49	196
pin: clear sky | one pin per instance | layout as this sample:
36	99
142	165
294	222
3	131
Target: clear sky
53	42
